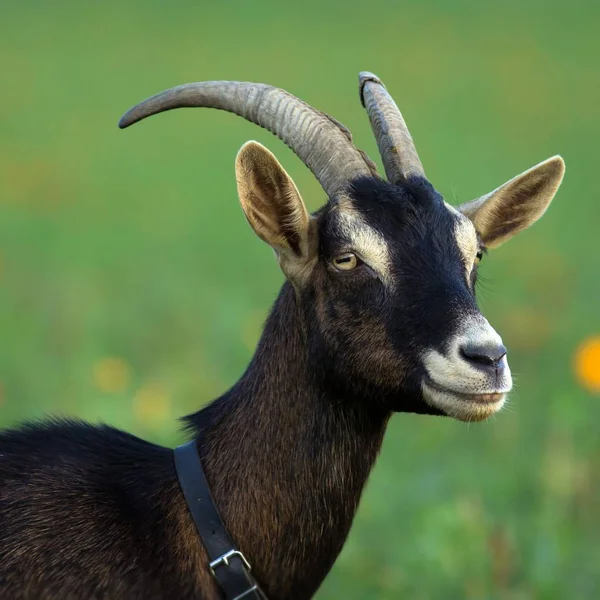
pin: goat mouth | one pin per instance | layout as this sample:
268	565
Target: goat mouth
462	405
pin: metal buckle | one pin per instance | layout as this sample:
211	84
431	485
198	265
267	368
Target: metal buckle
224	560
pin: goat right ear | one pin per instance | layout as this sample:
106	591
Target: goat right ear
517	204
273	205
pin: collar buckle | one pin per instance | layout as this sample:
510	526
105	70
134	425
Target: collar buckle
224	560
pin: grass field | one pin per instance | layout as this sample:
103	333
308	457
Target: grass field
132	290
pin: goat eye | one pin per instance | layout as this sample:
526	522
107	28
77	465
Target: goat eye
478	257
345	262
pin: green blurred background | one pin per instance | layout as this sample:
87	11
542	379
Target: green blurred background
132	290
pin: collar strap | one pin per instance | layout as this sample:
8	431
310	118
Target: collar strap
227	564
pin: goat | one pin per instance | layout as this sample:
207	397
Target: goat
377	315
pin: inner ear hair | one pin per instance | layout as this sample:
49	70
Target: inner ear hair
270	200
516	204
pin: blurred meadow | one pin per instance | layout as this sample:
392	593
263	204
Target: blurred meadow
132	290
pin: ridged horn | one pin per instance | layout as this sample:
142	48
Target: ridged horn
324	145
394	141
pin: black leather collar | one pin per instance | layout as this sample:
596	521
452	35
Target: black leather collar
227	564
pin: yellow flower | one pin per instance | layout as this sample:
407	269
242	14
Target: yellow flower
587	364
152	403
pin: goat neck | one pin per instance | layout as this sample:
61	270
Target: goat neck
286	461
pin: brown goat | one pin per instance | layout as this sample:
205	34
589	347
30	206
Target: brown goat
378	315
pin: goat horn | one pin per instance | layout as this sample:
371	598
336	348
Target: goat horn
324	145
394	141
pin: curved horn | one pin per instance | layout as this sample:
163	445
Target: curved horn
394	141
324	145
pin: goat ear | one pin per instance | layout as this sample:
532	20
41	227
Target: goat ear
517	204
272	203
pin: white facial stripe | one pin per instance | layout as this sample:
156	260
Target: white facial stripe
452	209
369	244
466	237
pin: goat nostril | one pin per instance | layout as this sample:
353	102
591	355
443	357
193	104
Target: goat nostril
483	354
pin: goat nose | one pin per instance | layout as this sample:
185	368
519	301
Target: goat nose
488	356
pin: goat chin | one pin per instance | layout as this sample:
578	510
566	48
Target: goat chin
464	407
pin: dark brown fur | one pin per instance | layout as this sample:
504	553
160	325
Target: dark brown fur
97	513
296	461
93	512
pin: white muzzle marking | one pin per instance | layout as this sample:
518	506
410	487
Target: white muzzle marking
456	386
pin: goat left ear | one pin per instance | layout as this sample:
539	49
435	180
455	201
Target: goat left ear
274	208
517	204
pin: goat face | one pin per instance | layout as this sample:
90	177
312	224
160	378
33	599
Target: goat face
385	275
385	272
